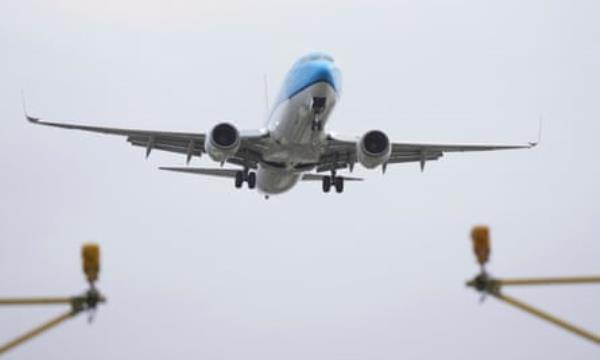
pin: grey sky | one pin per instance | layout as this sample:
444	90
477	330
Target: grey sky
194	269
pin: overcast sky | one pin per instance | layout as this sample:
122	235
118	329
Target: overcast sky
196	269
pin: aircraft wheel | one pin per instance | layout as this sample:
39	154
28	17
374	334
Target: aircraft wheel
239	179
339	185
326	184
252	180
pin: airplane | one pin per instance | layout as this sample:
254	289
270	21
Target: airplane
294	145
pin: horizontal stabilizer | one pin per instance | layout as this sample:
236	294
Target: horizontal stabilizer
319	177
228	173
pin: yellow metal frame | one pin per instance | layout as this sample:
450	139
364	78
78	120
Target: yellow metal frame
493	287
90	254
88	301
480	236
36	331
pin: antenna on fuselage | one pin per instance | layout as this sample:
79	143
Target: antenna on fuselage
266	83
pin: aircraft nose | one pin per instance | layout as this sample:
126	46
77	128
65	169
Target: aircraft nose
322	72
325	72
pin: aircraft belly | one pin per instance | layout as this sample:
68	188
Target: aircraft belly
292	154
275	181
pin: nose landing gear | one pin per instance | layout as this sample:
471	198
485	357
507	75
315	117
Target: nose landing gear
317	125
318	106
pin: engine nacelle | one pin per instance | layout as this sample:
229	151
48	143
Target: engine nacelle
223	142
373	149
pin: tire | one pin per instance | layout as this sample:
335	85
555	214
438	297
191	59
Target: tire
326	184
239	179
251	180
339	185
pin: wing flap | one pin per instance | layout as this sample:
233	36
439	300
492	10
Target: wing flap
227	173
177	145
396	159
319	177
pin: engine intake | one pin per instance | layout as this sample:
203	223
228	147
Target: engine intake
223	142
374	149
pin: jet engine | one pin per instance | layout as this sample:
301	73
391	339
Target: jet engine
223	142
373	149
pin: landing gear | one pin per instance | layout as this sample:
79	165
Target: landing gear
318	105
326	184
239	179
333	180
317	125
251	180
249	177
339	185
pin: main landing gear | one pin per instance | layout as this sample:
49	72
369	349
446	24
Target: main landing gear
245	176
335	181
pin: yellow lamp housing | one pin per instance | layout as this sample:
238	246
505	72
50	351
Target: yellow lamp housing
90	254
481	243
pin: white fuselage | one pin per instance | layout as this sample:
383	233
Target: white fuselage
295	143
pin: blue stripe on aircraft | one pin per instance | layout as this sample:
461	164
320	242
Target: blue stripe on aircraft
305	74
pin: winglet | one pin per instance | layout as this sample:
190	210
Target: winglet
539	138
267	106
29	118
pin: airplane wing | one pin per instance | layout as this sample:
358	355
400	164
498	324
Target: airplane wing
190	144
340	154
231	173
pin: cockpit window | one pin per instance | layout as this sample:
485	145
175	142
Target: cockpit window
315	56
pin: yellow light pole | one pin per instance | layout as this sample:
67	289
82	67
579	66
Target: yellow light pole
78	304
486	284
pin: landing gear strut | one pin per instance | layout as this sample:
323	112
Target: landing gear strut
317	125
333	180
245	176
318	105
